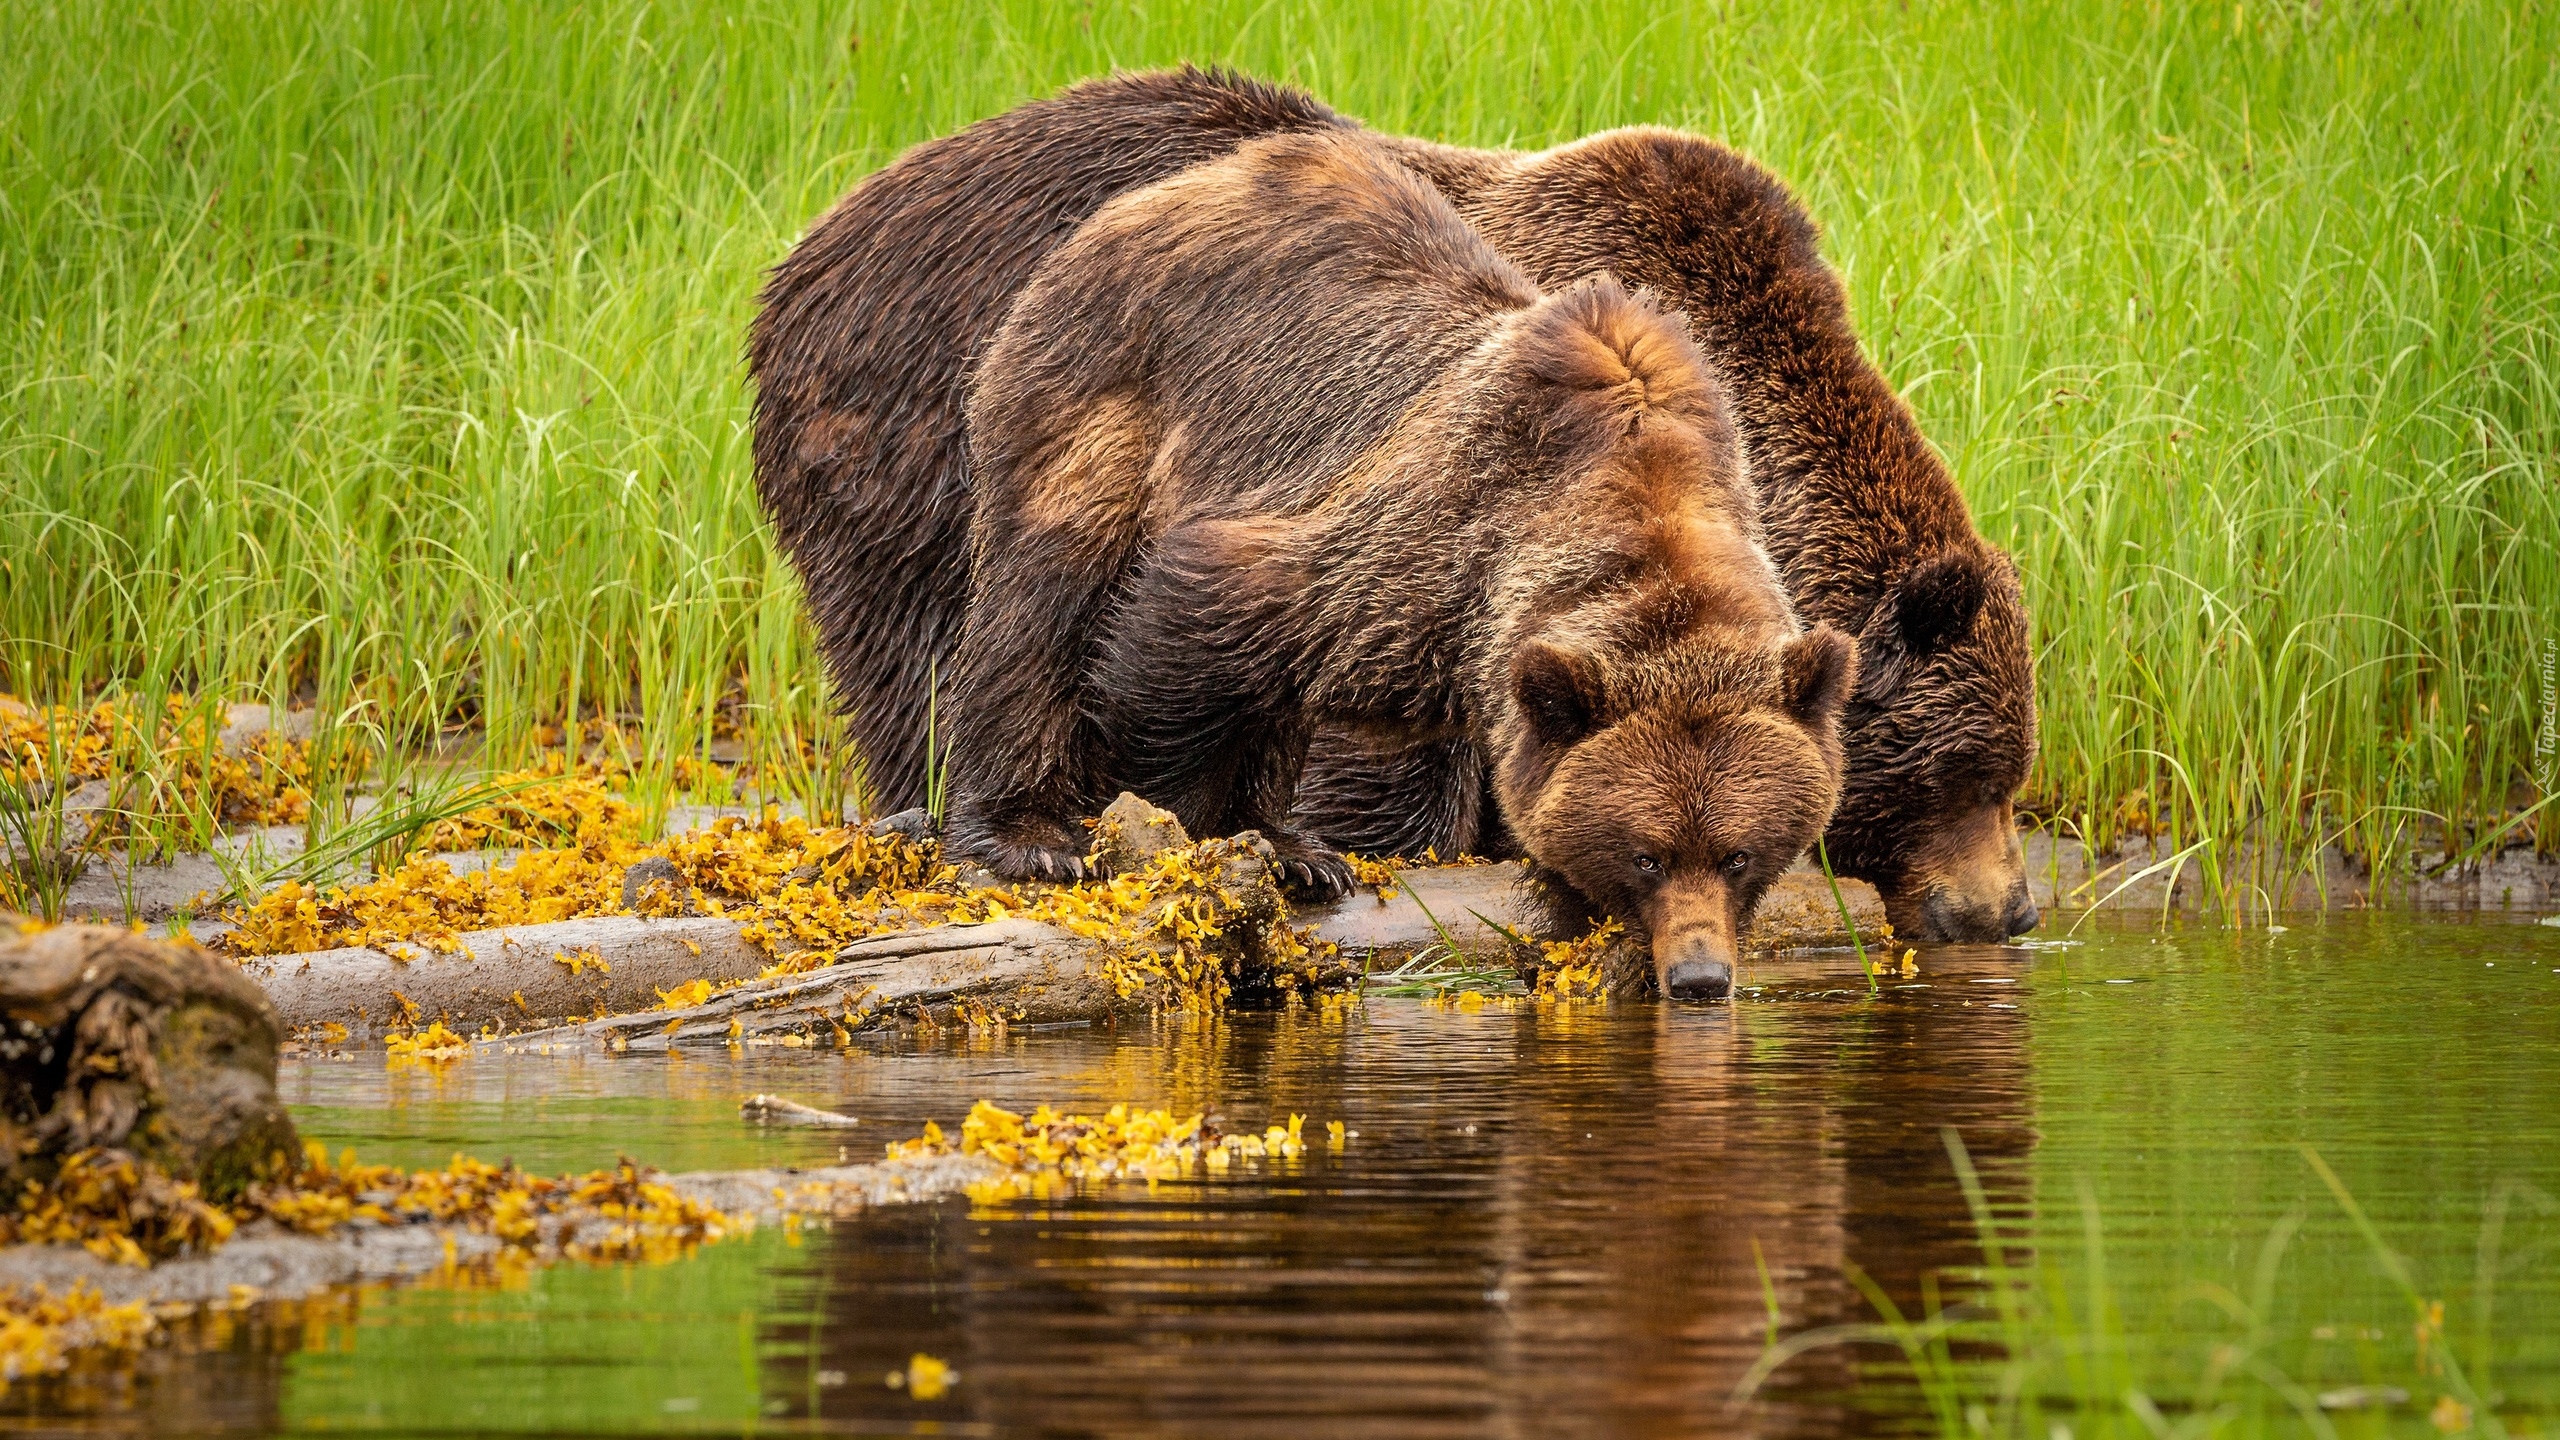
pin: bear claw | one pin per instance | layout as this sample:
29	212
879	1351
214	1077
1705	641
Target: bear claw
1311	875
1022	850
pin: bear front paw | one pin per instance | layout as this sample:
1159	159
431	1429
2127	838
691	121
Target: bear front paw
1030	848
1309	872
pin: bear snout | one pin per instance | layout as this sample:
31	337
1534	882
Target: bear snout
1947	918
1698	968
2023	916
1699	980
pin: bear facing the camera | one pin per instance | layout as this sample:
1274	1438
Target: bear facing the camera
1280	443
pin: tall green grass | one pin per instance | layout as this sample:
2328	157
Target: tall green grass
389	353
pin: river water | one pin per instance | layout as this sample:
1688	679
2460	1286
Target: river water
1550	1221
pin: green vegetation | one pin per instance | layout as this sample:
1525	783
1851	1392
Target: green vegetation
2033	1341
389	353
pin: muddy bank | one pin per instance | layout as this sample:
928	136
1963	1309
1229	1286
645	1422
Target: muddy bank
2155	873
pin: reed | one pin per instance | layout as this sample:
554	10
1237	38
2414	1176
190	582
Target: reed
388	354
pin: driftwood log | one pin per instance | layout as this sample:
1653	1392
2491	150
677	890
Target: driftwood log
117	1041
543	977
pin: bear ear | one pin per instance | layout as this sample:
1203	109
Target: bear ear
1559	692
1815	672
1934	601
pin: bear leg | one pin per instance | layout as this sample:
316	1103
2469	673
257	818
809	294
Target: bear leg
1199	687
1027	758
1408	799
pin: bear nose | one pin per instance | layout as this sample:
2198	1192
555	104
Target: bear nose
2022	913
1696	977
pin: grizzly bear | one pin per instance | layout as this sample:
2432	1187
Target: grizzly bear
1862	517
860	348
1281	442
867	327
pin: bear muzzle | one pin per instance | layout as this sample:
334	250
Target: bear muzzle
1692	923
1698	977
1694	963
1969	885
1947	918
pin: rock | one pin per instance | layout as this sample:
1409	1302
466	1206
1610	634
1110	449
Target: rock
84	809
278	1265
774	1110
244	725
656	882
113	1039
915	824
1798	913
1131	833
113	888
241	727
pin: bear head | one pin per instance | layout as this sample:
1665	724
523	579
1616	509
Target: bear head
1672	789
1940	731
1668	741
1667	736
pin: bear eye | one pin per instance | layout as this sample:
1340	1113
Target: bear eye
1648	865
1737	862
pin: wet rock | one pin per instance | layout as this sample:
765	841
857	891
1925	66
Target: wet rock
1132	832
116	1040
775	1110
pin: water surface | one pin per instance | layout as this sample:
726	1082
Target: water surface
1550	1222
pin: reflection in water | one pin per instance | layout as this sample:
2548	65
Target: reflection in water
1553	1220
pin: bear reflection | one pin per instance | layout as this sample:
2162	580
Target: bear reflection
1553	1221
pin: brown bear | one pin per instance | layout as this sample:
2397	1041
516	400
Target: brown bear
1861	515
1279	442
868	325
860	348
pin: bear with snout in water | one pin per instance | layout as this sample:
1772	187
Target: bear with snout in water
1280	442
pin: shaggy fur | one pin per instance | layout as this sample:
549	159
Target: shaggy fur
862	342
1868	528
1281	442
1863	518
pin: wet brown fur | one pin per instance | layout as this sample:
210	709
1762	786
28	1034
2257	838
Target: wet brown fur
1867	526
1281	443
1861	514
